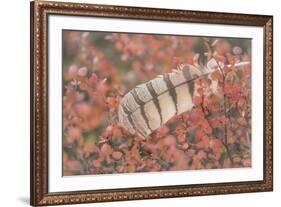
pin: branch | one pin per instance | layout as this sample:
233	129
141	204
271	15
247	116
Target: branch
226	115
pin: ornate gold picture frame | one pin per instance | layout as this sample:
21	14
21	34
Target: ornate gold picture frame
43	38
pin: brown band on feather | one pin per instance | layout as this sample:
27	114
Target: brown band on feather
155	99
141	104
172	90
129	117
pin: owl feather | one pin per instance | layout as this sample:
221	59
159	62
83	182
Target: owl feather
151	104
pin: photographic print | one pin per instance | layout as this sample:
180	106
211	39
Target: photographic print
132	103
154	102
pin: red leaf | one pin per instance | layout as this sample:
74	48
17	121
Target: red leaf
247	163
117	155
195	117
199	134
204	143
214	123
197	100
200	91
118	45
170	140
224	120
163	131
93	79
242	121
106	149
217	76
216	145
185	146
82	71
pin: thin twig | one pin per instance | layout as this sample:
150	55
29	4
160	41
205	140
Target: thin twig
226	115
